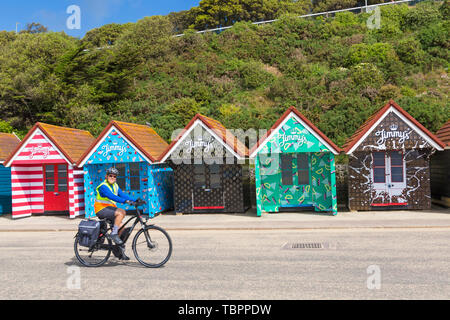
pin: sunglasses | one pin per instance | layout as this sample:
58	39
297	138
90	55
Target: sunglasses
112	176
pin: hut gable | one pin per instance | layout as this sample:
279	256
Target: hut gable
294	133
38	148
393	133
391	128
114	148
204	138
49	143
125	142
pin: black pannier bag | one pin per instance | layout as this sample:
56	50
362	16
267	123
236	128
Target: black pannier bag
88	232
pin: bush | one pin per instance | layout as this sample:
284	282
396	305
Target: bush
380	54
427	111
5	127
367	75
253	75
435	35
422	15
410	51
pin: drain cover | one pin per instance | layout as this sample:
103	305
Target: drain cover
309	245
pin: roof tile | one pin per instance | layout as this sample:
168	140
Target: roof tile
8	143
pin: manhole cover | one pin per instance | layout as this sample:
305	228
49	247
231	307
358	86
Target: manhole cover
310	246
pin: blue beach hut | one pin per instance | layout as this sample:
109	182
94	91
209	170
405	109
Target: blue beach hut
133	150
8	143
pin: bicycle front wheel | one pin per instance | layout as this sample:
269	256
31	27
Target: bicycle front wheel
95	256
152	247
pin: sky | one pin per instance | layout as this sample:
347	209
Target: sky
55	16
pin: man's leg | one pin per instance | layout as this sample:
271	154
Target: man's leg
119	216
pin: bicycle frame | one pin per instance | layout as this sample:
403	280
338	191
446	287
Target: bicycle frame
137	219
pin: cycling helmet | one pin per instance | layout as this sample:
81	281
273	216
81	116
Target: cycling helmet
112	171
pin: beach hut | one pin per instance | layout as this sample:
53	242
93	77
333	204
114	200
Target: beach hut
45	178
133	150
389	162
440	169
295	167
209	168
8	142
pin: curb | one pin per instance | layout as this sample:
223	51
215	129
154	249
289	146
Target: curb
248	228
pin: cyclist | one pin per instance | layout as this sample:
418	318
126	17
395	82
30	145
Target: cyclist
108	194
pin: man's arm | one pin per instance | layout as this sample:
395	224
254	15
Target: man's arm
105	192
125	196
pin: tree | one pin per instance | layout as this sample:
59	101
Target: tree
29	88
6	37
220	13
423	14
105	35
35	27
147	39
330	5
181	20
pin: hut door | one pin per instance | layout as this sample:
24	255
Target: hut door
295	174
396	178
56	192
388	178
208	189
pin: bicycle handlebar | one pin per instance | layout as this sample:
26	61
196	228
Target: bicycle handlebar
137	203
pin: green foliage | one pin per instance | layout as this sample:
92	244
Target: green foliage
253	75
426	111
330	5
335	70
409	50
422	15
381	54
5	127
106	35
367	75
212	14
436	35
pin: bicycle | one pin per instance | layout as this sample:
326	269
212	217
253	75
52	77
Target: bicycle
147	243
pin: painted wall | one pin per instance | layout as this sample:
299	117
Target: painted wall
156	181
231	193
294	138
391	134
440	176
5	190
27	178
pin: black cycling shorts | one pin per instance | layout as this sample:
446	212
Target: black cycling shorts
107	213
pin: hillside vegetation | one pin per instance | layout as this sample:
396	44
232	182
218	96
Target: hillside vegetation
335	70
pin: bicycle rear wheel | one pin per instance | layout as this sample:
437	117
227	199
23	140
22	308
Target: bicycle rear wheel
152	247
93	257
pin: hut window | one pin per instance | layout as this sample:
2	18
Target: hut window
303	168
215	177
121	178
135	181
199	176
62	177
396	166
49	178
287	178
379	167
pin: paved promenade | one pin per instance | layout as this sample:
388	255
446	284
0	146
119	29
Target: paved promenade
436	218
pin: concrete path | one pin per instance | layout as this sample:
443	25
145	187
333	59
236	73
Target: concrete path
435	218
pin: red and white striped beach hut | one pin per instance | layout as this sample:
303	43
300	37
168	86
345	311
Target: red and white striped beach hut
44	176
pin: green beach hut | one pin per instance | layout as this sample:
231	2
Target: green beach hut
295	167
